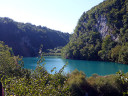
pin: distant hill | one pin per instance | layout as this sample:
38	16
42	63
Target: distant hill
101	33
25	39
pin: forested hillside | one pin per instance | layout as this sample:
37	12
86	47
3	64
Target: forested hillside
101	33
25	39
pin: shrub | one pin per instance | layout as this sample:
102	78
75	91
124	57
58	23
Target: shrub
78	84
105	85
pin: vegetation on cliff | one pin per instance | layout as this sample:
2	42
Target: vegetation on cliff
101	33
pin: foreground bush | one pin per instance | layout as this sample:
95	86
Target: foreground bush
78	84
23	82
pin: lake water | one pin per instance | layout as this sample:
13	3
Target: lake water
88	67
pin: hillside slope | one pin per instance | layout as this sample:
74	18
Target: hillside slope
101	34
25	39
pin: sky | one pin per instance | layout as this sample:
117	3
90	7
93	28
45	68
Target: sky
61	15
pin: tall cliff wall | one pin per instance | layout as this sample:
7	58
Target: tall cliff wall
101	33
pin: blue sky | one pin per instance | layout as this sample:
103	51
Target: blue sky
60	15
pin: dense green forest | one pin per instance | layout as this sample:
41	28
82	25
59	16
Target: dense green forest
101	34
25	39
18	81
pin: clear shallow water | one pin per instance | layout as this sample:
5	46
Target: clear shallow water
88	67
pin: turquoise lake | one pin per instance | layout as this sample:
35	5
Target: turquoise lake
88	67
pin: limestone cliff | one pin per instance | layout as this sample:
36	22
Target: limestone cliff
104	29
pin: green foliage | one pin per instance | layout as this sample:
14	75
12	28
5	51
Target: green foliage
25	39
78	84
115	53
88	42
22	82
8	62
6	59
84	47
107	44
53	52
123	82
123	54
106	85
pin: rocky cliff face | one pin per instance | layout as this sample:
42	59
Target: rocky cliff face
104	29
